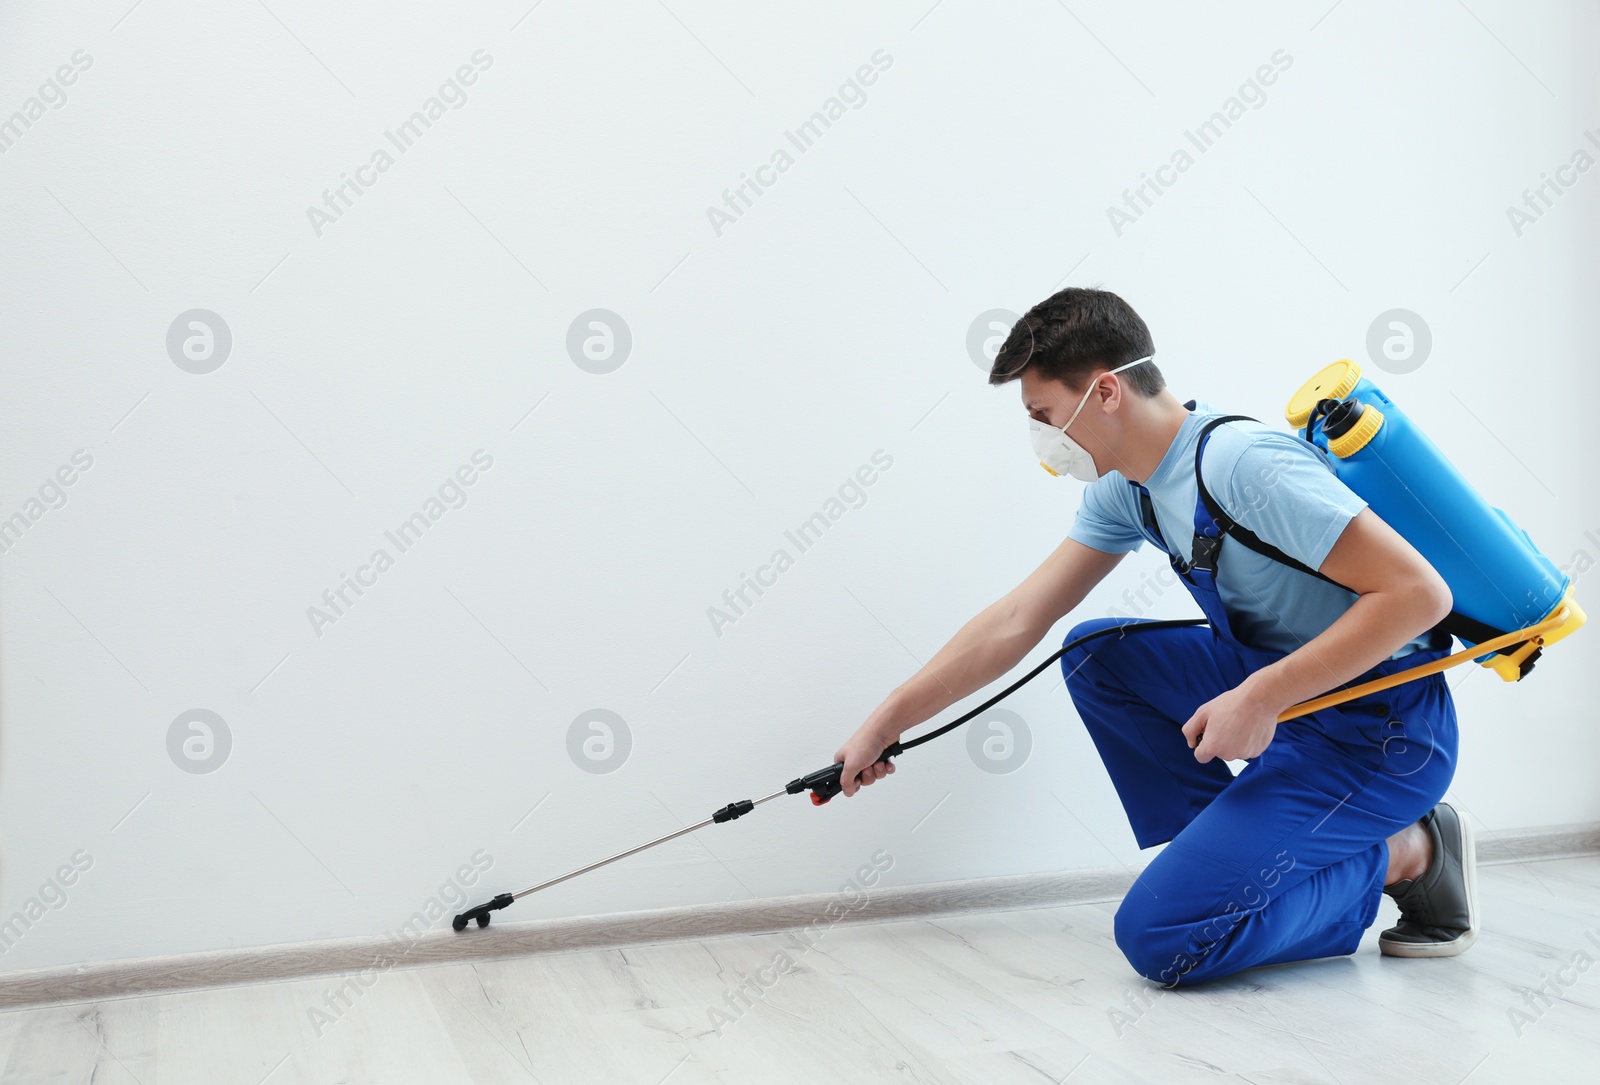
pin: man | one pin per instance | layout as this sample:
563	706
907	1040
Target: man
1306	590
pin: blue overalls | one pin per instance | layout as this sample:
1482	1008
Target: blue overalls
1285	861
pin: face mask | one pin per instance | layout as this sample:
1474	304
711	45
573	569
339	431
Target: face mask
1060	454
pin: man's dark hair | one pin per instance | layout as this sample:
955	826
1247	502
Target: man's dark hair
1074	332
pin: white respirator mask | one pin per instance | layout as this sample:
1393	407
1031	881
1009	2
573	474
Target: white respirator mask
1060	454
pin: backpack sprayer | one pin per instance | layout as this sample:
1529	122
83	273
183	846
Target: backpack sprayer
1510	601
1497	577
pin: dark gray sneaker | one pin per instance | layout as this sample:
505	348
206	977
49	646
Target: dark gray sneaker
1438	911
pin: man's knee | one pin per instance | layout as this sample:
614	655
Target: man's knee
1159	947
1135	929
1092	625
1073	662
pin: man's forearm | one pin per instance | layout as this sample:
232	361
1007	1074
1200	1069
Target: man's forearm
1372	630
982	650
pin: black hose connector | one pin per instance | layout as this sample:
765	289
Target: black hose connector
481	912
1318	411
733	810
824	784
1342	417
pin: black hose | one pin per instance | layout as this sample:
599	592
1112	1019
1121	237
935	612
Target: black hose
1166	623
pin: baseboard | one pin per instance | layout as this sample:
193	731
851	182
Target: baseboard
1548	842
257	964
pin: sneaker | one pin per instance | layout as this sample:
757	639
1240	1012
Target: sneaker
1439	910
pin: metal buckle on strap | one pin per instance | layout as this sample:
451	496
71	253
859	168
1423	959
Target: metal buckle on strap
1206	548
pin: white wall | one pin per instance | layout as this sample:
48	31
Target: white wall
768	364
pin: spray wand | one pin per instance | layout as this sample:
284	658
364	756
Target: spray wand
824	784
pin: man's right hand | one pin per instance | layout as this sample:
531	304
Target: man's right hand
860	756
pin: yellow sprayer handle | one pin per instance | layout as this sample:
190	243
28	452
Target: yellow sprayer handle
1531	633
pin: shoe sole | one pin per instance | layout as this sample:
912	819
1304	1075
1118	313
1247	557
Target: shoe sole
1463	941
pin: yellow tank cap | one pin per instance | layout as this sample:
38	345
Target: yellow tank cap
1332	382
1356	437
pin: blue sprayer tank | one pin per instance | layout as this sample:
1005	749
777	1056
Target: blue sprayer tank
1495	573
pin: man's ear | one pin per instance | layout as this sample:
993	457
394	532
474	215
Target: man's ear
1108	394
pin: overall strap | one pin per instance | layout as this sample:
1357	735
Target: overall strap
1147	514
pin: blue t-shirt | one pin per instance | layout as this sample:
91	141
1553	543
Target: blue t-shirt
1273	483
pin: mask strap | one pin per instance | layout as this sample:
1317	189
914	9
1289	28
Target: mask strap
1119	369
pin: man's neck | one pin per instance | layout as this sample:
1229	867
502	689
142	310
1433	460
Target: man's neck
1151	428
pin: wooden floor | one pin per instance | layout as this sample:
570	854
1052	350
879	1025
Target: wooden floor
1027	996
